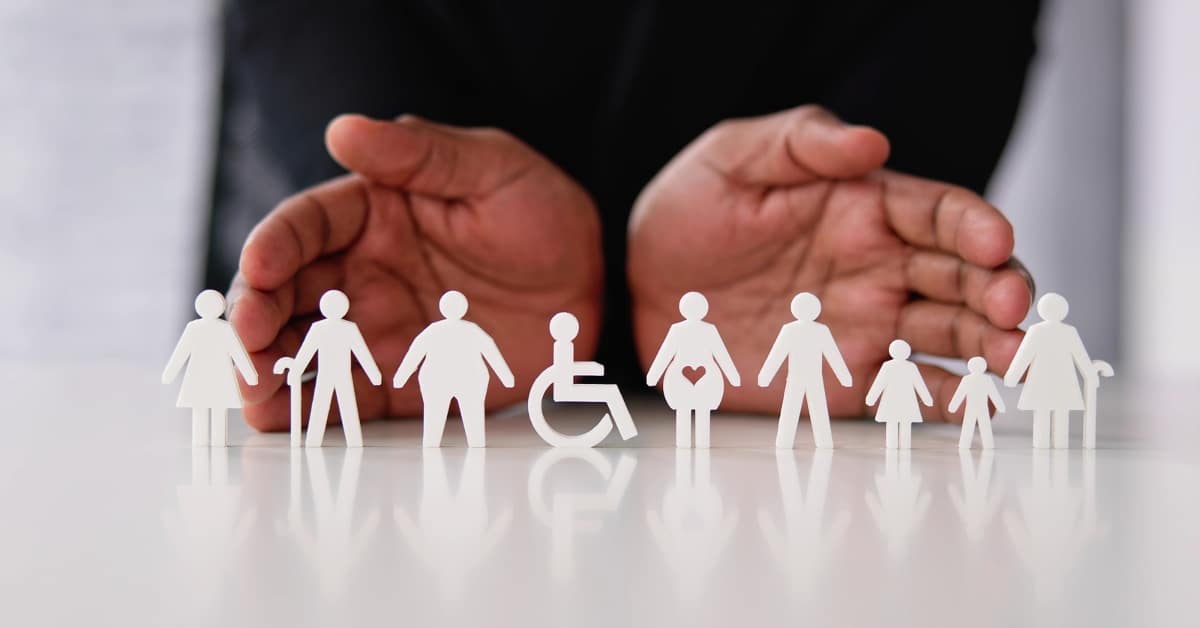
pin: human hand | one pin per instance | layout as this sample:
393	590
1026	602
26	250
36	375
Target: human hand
757	210
428	208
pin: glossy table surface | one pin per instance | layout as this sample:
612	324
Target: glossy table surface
109	517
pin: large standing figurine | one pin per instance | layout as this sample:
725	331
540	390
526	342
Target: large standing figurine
897	387
976	388
805	344
333	341
1049	356
211	349
693	364
559	378
454	356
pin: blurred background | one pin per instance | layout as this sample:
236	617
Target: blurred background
108	131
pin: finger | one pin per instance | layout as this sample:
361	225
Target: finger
286	343
317	222
427	158
792	147
942	384
954	220
954	331
1002	296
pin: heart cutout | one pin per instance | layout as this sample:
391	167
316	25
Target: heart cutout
692	373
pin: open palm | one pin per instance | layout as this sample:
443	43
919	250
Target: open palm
427	209
756	210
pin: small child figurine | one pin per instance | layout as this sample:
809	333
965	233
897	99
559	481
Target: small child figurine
897	388
976	389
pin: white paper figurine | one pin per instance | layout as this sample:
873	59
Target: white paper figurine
333	341
693	364
976	389
454	356
560	378
805	344
211	349
1049	357
896	388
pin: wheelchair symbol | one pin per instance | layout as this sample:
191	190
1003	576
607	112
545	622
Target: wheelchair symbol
564	327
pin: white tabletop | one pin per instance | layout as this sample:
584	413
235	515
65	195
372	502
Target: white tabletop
109	517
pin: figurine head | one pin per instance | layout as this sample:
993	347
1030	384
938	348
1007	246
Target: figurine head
564	327
693	306
334	304
1052	307
976	365
806	306
210	304
453	305
899	350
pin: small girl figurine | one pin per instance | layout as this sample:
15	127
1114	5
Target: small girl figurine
899	383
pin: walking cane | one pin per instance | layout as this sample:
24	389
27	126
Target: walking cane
1103	369
283	365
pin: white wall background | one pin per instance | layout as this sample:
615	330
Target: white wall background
107	124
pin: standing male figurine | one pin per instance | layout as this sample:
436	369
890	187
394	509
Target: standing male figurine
805	343
454	356
332	341
976	389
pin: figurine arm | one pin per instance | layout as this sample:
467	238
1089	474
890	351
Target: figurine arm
834	357
1082	361
721	353
491	355
587	369
179	356
960	394
877	386
412	359
305	354
994	395
922	389
358	347
1021	360
662	359
774	359
241	359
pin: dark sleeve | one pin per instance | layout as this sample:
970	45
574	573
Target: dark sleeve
943	81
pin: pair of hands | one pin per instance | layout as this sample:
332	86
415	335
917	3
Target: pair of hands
752	212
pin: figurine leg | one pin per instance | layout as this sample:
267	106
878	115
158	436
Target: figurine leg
1062	429
437	406
789	417
319	415
472	416
818	415
1041	429
702	420
906	435
985	432
968	431
220	427
199	427
683	429
348	407
890	435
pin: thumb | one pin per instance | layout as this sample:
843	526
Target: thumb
793	147
425	157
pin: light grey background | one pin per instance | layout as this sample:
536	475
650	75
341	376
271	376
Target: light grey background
107	127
